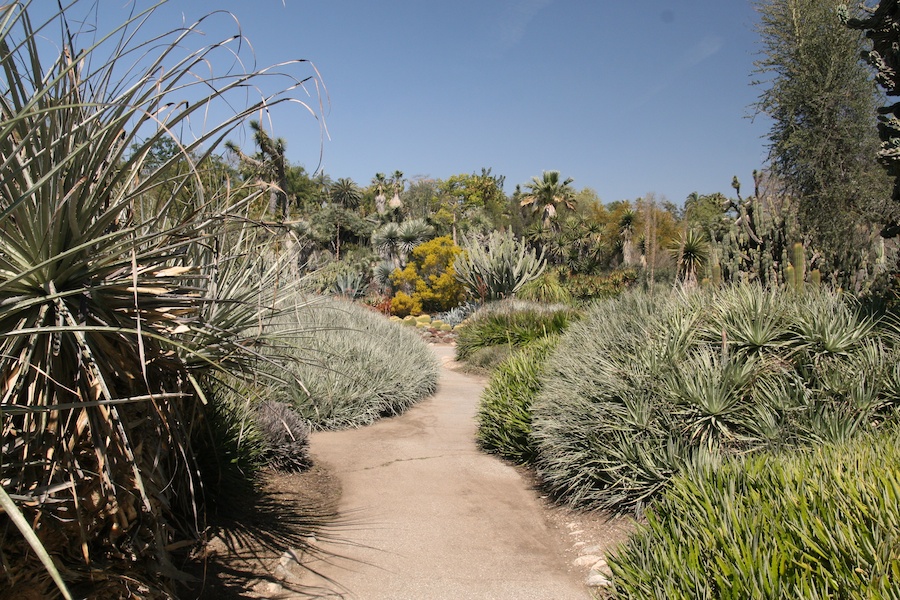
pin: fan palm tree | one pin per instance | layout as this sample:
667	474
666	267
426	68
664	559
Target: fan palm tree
546	196
347	195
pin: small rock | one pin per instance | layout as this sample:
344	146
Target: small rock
595	549
577	544
598	580
586	560
601	567
576	532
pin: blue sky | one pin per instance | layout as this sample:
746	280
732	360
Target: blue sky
627	98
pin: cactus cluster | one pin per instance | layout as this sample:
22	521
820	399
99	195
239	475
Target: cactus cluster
758	246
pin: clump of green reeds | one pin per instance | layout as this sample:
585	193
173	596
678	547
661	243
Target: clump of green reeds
823	522
511	323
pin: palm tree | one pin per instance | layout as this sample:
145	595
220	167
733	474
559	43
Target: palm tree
346	193
626	231
547	195
380	183
397	182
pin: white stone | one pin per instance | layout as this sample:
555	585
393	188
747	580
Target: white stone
602	567
586	560
597	580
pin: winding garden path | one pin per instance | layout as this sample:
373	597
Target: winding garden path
434	517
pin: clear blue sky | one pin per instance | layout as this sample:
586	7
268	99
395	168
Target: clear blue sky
625	97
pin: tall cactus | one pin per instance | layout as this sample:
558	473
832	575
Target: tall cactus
756	247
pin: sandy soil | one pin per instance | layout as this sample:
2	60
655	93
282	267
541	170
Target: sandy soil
409	508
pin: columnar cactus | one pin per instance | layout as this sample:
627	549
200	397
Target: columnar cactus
755	249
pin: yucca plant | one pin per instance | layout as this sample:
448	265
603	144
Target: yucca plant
104	292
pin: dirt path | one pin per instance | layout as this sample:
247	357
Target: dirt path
434	517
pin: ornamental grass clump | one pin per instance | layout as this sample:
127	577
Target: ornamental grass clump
511	323
114	310
821	522
644	387
504	412
352	365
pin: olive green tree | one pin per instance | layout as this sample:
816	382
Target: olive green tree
822	142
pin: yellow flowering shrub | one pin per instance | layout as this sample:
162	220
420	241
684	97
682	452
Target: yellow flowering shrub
428	282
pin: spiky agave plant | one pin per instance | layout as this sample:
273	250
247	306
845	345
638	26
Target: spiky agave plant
100	301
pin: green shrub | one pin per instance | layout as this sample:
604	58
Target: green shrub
587	288
546	289
821	523
353	365
497	267
644	387
504	414
511	323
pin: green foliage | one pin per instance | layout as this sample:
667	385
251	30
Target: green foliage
511	323
644	387
429	279
498	267
352	365
820	523
585	289
546	289
504	414
821	100
119	308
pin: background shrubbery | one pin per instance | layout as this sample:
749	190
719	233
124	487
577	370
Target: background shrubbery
511	323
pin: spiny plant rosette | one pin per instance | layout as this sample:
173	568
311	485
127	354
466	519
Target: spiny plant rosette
111	305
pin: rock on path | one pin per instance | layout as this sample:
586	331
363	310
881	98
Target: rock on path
434	517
